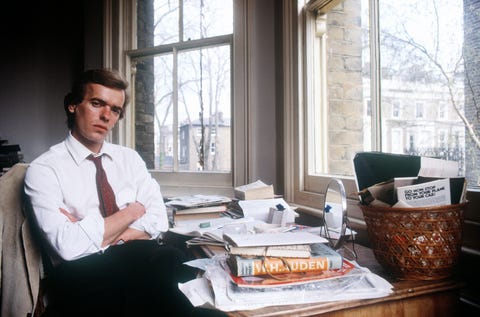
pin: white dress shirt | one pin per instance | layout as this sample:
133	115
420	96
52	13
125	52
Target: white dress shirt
63	177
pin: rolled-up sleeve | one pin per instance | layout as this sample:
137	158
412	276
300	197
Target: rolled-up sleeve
155	220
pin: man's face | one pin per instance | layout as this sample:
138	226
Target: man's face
96	115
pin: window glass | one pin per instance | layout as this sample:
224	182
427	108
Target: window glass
384	89
182	81
421	46
206	18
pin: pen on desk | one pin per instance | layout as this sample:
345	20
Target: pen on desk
291	228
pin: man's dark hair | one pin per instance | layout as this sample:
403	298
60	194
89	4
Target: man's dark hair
105	77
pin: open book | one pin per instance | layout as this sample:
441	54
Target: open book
214	237
295	250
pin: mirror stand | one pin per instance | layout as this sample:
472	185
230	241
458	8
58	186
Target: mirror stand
335	219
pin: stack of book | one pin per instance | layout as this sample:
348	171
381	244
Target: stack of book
9	155
282	258
198	207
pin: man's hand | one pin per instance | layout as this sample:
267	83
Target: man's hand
132	234
70	217
136	210
117	224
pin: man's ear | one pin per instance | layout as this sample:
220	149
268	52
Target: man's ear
72	108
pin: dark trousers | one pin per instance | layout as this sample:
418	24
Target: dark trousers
138	278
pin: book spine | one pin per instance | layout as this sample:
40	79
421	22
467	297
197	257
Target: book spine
242	266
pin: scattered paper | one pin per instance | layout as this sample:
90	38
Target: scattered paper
196	228
216	288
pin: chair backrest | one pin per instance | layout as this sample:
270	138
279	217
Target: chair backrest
20	256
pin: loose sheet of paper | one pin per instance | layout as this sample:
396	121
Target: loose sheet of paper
437	168
259	208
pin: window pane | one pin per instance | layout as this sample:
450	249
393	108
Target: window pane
207	18
157	22
166	21
163	118
422	68
204	109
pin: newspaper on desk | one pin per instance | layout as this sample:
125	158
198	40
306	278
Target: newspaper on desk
216	289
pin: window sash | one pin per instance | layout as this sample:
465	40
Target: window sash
309	186
119	49
180	46
175	49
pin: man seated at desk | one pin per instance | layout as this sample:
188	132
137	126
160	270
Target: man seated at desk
101	236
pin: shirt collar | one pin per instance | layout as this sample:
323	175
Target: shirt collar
79	152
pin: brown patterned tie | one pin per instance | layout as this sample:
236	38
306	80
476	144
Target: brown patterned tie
108	205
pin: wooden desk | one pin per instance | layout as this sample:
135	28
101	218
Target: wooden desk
409	299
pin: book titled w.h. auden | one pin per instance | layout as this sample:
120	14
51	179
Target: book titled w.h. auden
322	258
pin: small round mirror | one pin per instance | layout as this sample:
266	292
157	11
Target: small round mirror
335	214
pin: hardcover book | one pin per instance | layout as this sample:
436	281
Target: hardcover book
256	190
289	279
322	258
180	219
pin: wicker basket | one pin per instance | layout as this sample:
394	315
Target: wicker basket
416	243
